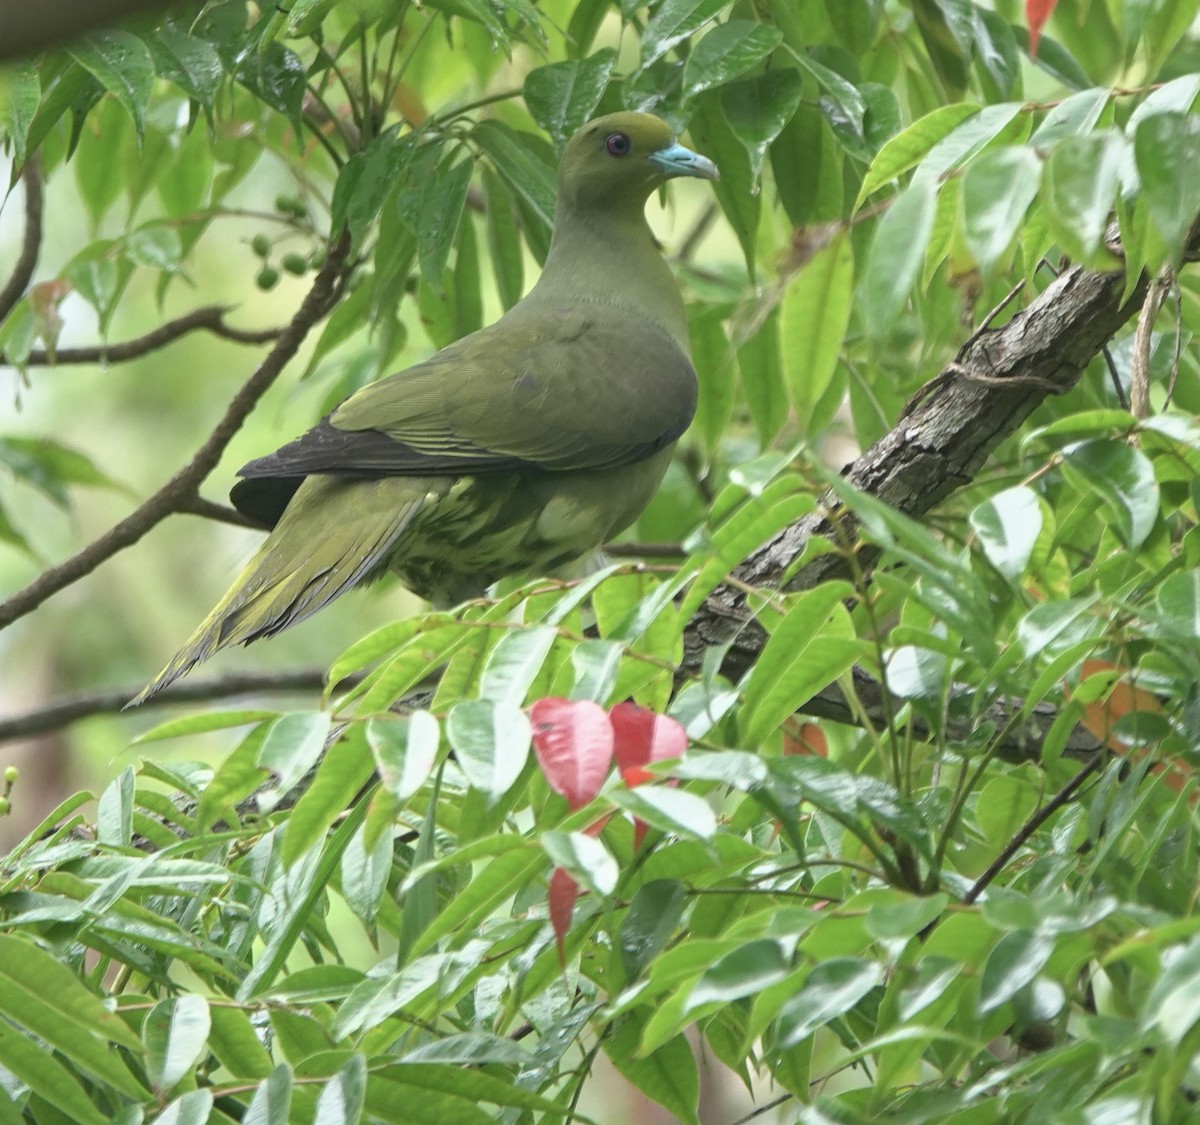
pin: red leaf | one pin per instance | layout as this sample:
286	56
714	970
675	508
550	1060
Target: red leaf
1037	12
564	890
640	828
805	738
643	737
574	745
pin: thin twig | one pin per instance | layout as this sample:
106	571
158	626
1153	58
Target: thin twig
181	490
221	513
31	243
1030	827
209	318
63	712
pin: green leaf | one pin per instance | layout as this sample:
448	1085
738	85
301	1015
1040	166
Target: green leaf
491	743
909	147
514	663
1079	189
1167	149
405	750
584	857
1178	601
190	1109
175	1033
272	1099
341	1100
203	722
278	76
1175	96
193	64
844	108
596	665
1075	114
504	240
45	998
830	990
525	163
897	252
997	191
806	651
1171	1005
562	96
38	1069
667	1075
442	200
727	52
1122	478
742	972
114	813
1015	961
343	772
760	365
759	109
675	21
291	746
122	64
649	923
366	180
735	189
669	810
1008	525
713	358
24	96
947	42
814	318
49	467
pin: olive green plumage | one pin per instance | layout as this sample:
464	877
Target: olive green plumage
519	447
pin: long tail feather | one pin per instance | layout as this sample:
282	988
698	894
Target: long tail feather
334	534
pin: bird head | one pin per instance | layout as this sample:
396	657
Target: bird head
619	160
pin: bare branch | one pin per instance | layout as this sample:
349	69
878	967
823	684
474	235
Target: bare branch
70	709
31	243
180	492
221	513
210	318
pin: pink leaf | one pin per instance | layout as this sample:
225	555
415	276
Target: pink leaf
574	745
564	890
1037	12
643	737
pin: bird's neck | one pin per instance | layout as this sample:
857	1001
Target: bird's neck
608	257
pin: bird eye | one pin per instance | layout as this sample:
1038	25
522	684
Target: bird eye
617	144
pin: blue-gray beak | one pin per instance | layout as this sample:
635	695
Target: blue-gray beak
679	161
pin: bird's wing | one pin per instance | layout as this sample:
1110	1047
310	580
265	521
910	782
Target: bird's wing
590	387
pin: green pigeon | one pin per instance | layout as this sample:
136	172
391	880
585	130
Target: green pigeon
520	447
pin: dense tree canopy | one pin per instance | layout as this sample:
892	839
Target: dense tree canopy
858	786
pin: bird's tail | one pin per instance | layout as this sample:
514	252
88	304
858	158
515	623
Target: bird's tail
335	533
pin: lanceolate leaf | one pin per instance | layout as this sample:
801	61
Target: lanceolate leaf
808	649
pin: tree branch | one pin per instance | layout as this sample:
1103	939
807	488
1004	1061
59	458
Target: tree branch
180	493
72	708
210	318
31	243
1001	375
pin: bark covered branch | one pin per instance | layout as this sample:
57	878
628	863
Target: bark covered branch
999	378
